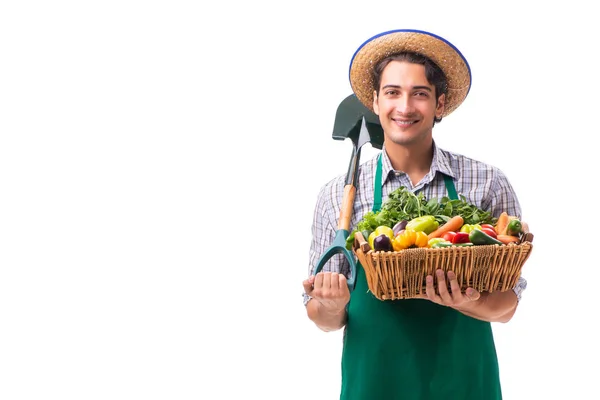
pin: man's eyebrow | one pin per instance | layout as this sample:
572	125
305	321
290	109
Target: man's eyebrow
413	88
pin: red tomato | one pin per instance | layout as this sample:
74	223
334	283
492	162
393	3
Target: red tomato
490	232
487	226
449	236
461	237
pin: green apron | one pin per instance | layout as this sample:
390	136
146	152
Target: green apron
414	349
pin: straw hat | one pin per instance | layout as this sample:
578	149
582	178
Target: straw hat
438	49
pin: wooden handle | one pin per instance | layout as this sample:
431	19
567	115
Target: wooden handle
526	236
347	207
360	242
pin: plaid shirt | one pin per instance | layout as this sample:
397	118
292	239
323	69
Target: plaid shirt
482	185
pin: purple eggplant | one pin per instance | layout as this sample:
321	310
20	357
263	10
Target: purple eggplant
382	243
399	226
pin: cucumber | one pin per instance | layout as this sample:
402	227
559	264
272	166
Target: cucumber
478	237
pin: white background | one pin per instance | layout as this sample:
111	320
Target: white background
159	164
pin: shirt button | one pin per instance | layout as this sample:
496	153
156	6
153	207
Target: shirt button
397	173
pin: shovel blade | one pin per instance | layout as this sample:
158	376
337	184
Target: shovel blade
350	116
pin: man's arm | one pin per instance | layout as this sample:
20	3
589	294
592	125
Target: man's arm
325	320
491	307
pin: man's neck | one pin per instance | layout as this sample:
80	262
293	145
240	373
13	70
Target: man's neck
415	161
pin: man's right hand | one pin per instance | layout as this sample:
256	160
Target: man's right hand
330	289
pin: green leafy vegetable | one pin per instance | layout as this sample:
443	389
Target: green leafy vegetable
402	204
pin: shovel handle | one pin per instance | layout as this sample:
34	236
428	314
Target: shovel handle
347	207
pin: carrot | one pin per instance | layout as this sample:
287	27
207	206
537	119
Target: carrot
507	239
502	223
452	225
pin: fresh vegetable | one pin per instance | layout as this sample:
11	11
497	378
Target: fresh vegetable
452	225
386	230
502	223
402	204
449	236
433	241
514	227
399	226
442	244
382	242
461	237
507	239
366	233
448	244
469	227
408	239
478	237
425	223
489	226
490	231
371	239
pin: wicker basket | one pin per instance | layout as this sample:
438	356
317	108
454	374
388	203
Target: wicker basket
401	275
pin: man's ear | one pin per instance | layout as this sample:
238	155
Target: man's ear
375	105
441	105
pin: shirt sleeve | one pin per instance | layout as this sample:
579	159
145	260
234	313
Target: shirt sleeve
504	198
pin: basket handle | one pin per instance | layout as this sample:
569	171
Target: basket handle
526	236
360	242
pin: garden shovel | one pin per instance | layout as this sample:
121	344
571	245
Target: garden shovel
361	125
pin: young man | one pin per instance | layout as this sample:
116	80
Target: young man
441	346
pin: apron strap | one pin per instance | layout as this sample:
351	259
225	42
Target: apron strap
450	187
377	186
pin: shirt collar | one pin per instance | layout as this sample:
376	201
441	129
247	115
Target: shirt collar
439	163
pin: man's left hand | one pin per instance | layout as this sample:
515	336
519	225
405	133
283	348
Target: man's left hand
453	298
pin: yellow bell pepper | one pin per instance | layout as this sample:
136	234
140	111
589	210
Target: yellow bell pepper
410	238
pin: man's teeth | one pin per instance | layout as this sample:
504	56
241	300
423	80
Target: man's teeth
405	122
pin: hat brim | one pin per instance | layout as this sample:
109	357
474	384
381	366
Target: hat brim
438	49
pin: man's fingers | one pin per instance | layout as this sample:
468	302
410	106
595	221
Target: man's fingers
430	289
327	285
472	294
326	280
454	286
318	280
308	286
443	287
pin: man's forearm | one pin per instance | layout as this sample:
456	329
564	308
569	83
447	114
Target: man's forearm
324	319
492	307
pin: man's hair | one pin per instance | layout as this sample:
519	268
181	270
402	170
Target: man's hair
434	74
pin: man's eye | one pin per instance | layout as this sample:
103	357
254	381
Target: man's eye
421	94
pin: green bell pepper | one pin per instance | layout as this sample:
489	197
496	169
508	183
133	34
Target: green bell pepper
424	223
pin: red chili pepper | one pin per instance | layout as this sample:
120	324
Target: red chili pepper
490	231
461	237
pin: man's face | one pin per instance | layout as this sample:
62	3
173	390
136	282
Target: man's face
406	104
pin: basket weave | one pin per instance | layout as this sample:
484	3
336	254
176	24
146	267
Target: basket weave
401	275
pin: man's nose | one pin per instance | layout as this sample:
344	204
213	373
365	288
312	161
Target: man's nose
404	105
